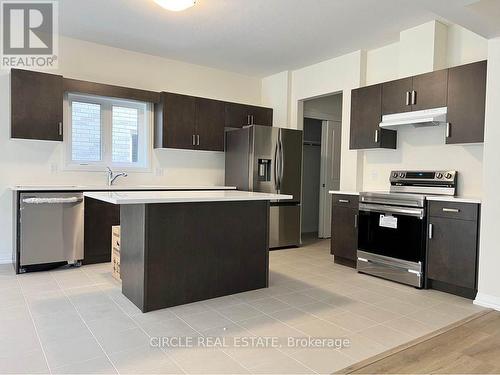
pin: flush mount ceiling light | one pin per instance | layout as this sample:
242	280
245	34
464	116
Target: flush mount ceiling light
175	5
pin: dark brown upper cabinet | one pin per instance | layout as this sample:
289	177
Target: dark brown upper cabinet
466	103
239	115
430	90
396	96
36	105
175	121
209	124
366	114
188	122
423	91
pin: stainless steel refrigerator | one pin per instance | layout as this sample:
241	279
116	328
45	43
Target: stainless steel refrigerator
269	159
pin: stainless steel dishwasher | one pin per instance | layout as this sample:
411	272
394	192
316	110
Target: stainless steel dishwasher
51	228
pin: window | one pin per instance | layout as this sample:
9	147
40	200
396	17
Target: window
107	132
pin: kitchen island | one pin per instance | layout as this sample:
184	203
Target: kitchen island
179	247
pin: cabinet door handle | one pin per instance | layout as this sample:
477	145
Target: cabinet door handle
454	210
252	121
356	221
448	130
60	128
197	140
407	98
431	231
413	97
343	200
194	140
376	136
248	120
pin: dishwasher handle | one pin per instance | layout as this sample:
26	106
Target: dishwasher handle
55	200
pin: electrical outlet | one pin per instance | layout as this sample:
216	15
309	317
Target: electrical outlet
158	171
54	168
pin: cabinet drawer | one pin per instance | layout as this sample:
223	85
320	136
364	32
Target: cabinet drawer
344	200
454	210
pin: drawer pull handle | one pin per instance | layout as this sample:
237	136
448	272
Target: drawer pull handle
343	200
431	228
454	210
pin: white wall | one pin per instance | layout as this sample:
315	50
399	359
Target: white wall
332	76
276	94
489	254
424	148
36	162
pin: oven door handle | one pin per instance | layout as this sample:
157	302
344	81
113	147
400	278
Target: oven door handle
405	211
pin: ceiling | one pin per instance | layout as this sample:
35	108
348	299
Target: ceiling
257	37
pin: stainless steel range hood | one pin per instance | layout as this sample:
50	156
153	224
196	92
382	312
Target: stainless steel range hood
426	117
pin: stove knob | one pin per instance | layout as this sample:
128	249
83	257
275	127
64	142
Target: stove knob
439	175
395	175
401	174
448	175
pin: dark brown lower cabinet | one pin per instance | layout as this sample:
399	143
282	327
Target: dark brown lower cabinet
452	248
344	241
99	217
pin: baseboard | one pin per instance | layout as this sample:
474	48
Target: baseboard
486	300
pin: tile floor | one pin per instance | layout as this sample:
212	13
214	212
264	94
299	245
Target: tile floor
77	321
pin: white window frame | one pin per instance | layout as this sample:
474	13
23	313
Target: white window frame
107	103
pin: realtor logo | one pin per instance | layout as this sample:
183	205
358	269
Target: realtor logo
29	34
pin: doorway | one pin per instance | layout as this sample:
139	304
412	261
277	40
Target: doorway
321	163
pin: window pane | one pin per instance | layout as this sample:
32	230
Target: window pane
125	134
86	131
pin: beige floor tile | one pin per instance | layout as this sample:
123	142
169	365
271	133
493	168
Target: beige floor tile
296	299
269	305
361	347
118	341
323	361
206	361
280	364
24	362
239	312
99	365
322	328
144	361
409	326
351	321
293	316
433	318
74	350
206	320
386	336
373	312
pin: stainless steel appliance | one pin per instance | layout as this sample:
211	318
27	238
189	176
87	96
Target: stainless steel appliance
392	228
51	228
269	159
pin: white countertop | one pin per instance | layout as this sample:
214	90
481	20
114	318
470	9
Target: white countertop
116	187
346	192
145	197
458	199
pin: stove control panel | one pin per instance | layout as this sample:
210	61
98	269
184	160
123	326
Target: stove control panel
402	177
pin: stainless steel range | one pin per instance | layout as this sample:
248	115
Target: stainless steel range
392	225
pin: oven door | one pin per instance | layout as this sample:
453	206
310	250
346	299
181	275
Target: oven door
392	231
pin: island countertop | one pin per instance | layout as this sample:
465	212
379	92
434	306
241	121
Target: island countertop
147	197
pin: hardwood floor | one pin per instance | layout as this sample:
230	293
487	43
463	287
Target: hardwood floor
470	348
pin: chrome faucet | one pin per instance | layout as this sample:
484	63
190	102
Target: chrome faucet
112	176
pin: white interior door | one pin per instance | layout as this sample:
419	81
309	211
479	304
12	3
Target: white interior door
329	175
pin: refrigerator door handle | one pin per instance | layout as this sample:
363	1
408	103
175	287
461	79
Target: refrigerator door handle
275	168
282	160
